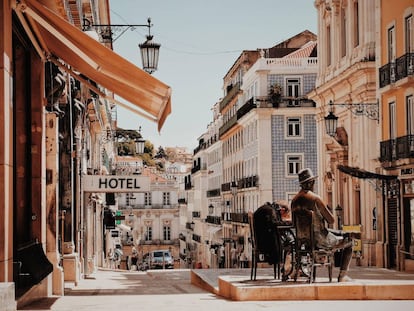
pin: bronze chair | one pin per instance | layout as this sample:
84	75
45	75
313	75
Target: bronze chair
265	239
307	256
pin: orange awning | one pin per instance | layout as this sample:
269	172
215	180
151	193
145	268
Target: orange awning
85	55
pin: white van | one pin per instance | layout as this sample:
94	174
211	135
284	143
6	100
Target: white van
159	259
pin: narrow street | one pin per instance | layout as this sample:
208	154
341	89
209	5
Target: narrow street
159	290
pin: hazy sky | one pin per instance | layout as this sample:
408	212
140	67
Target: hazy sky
200	40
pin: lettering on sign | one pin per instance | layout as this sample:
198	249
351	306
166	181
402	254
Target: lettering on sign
407	171
114	183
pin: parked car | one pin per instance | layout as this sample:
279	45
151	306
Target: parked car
159	259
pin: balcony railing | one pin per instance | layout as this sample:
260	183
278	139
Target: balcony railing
394	71
214	220
265	102
198	167
226	187
291	62
397	149
248	182
213	193
239	217
231	93
245	182
246	108
228	125
203	145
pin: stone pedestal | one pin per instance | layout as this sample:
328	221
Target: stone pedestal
409	265
58	283
7	301
379	252
71	268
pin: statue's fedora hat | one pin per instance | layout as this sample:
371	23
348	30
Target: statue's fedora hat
306	175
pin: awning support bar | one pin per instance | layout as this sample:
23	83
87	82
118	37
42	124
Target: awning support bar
98	91
30	34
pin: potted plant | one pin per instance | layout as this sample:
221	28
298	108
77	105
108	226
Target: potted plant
275	93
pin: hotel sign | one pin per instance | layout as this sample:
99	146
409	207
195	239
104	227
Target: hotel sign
116	183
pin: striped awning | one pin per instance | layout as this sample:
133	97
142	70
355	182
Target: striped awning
82	55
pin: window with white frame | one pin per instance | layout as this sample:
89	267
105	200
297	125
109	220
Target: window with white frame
293	127
392	122
166	232
147	198
343	32
166	198
328	46
293	164
293	90
409	34
410	114
148	233
391	44
356	24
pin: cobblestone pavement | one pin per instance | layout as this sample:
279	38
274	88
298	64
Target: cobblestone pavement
171	290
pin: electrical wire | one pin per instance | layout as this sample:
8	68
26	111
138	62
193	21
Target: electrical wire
181	43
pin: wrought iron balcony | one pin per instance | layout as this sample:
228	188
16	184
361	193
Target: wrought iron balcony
205	144
239	217
397	149
245	182
232	91
214	220
226	187
394	71
265	102
213	193
228	125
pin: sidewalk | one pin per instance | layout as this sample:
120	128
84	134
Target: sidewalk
171	290
367	284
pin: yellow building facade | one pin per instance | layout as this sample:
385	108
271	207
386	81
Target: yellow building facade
396	92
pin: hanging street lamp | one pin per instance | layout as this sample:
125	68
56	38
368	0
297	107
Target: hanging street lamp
149	49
